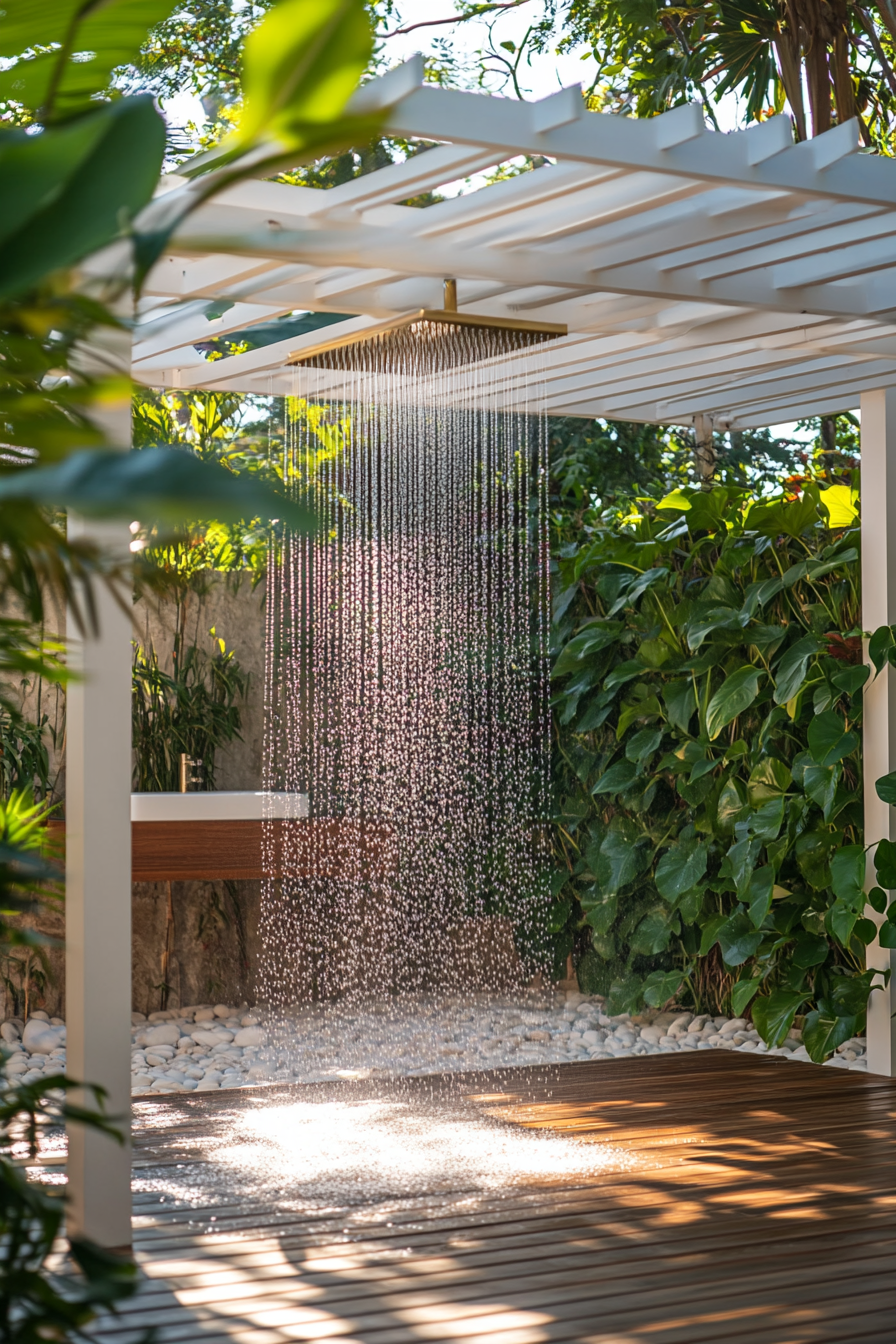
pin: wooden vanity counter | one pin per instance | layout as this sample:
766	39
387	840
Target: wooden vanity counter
198	851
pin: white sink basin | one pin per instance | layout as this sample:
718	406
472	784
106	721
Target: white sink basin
222	806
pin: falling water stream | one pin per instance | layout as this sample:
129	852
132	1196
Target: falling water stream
407	674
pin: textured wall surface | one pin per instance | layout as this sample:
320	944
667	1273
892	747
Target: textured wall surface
236	612
211	948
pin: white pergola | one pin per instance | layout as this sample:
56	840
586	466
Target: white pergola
739	278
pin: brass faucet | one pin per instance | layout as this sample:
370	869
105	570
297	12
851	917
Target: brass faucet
186	777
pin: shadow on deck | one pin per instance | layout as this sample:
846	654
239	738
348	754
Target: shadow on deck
670	1200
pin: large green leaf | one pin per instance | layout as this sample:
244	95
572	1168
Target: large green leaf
823	1031
848	871
737	693
155	484
809	950
601	909
661	986
641	746
95	38
886	788
759	894
653	932
681	702
829	739
738	939
303	62
680	869
592	640
768	781
773	1014
790	670
743	992
623	855
74	189
617	779
885	864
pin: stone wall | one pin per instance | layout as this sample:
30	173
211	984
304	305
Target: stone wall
209	950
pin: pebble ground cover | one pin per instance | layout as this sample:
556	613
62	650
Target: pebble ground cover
211	1047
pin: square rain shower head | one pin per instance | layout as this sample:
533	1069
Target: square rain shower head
427	341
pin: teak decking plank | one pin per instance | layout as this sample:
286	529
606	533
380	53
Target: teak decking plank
755	1205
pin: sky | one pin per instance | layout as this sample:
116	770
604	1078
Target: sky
538	78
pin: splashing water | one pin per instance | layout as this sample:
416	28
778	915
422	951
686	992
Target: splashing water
407	674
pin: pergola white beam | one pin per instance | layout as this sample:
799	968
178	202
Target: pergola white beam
879	730
98	870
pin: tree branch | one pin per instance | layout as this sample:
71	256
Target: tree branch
456	18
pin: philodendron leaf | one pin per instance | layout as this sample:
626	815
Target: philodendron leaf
879	646
759	894
848	871
885	864
624	995
681	702
623	855
737	693
642	745
773	1014
661	986
738	939
877	899
154	485
768	780
820	783
886	788
618	778
840	920
592	640
809	950
680	869
740	860
790	672
886	935
829	740
710	935
824	1031
600	909
743	993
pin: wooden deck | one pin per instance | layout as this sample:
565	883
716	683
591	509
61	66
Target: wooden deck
742	1200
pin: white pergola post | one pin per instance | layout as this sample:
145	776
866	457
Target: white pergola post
98	891
879	733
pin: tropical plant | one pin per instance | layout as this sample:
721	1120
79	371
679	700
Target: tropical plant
24	757
193	710
772	54
39	1303
708	707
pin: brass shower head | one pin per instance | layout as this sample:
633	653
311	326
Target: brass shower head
422	334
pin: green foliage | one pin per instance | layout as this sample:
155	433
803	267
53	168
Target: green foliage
38	1303
66	50
24	758
650	58
707	711
194	710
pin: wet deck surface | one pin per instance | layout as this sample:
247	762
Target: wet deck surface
670	1200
